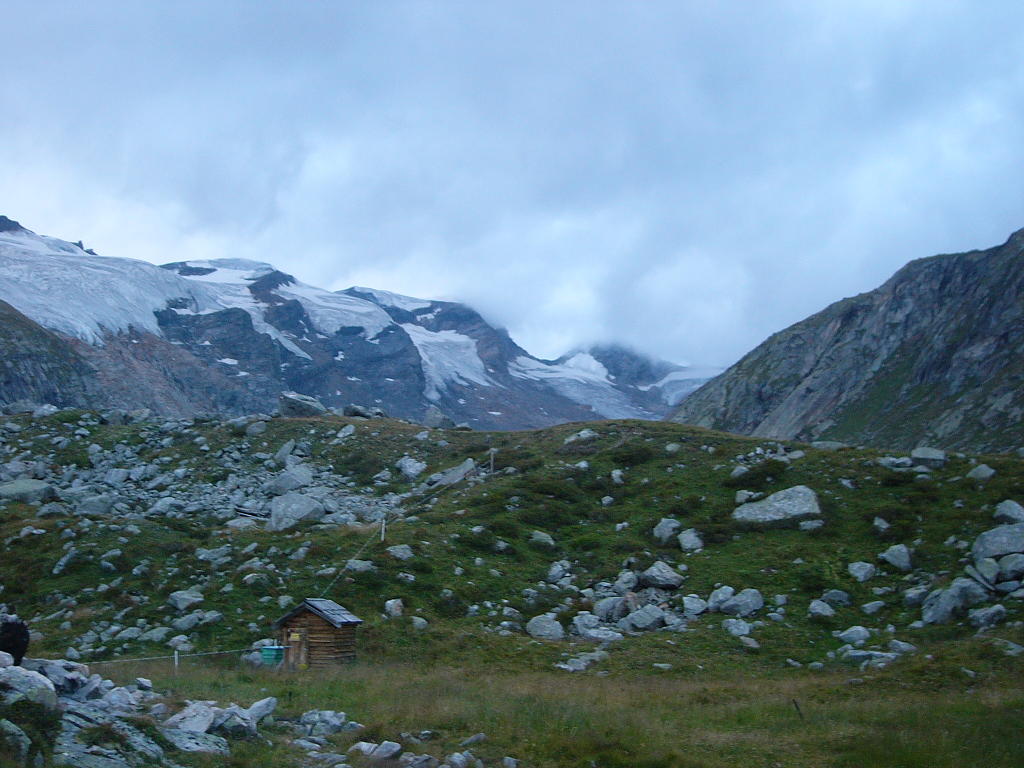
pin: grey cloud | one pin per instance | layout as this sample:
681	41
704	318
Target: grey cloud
684	177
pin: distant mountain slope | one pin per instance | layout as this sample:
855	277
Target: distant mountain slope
935	355
225	336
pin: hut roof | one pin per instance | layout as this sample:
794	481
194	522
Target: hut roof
329	610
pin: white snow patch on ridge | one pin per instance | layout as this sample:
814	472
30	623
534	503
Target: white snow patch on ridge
389	299
447	358
63	288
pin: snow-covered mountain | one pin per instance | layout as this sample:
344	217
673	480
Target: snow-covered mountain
227	335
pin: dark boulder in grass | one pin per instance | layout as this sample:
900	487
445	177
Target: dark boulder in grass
14	638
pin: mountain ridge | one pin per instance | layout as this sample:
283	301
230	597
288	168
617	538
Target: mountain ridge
931	356
227	335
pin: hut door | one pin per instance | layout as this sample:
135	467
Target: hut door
298	648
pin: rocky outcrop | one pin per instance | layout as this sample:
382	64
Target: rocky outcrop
932	356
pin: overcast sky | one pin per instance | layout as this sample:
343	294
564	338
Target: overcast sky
684	177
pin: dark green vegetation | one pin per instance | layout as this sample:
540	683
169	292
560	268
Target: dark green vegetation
719	704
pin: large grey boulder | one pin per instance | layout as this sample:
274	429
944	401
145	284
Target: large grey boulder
611	608
929	457
20	684
898	556
1009	511
1011	567
643	619
588	627
410	467
184	599
690	540
999	541
196	717
290	479
719	596
191	741
943	605
451	476
981	473
27	491
743	603
983	618
289	510
665	529
295	406
661	575
790	504
434	418
819	609
861	571
545	627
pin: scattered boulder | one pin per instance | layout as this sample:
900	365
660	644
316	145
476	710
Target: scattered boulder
782	506
898	556
662	576
184	599
861	571
690	540
27	491
819	609
943	605
289	510
545	627
293	405
743	603
981	473
998	541
665	529
1009	512
928	457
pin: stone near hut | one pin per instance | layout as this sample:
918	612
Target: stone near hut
293	405
394	608
318	633
782	506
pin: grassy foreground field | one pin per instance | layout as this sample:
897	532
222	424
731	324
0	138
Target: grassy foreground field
926	713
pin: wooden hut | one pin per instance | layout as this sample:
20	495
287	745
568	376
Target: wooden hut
318	633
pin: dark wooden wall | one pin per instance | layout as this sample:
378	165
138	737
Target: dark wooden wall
328	645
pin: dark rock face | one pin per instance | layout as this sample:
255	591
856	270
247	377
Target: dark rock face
38	366
14	638
931	357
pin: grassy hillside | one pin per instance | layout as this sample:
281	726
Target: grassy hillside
697	697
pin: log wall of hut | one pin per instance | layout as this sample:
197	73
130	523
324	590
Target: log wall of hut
327	645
